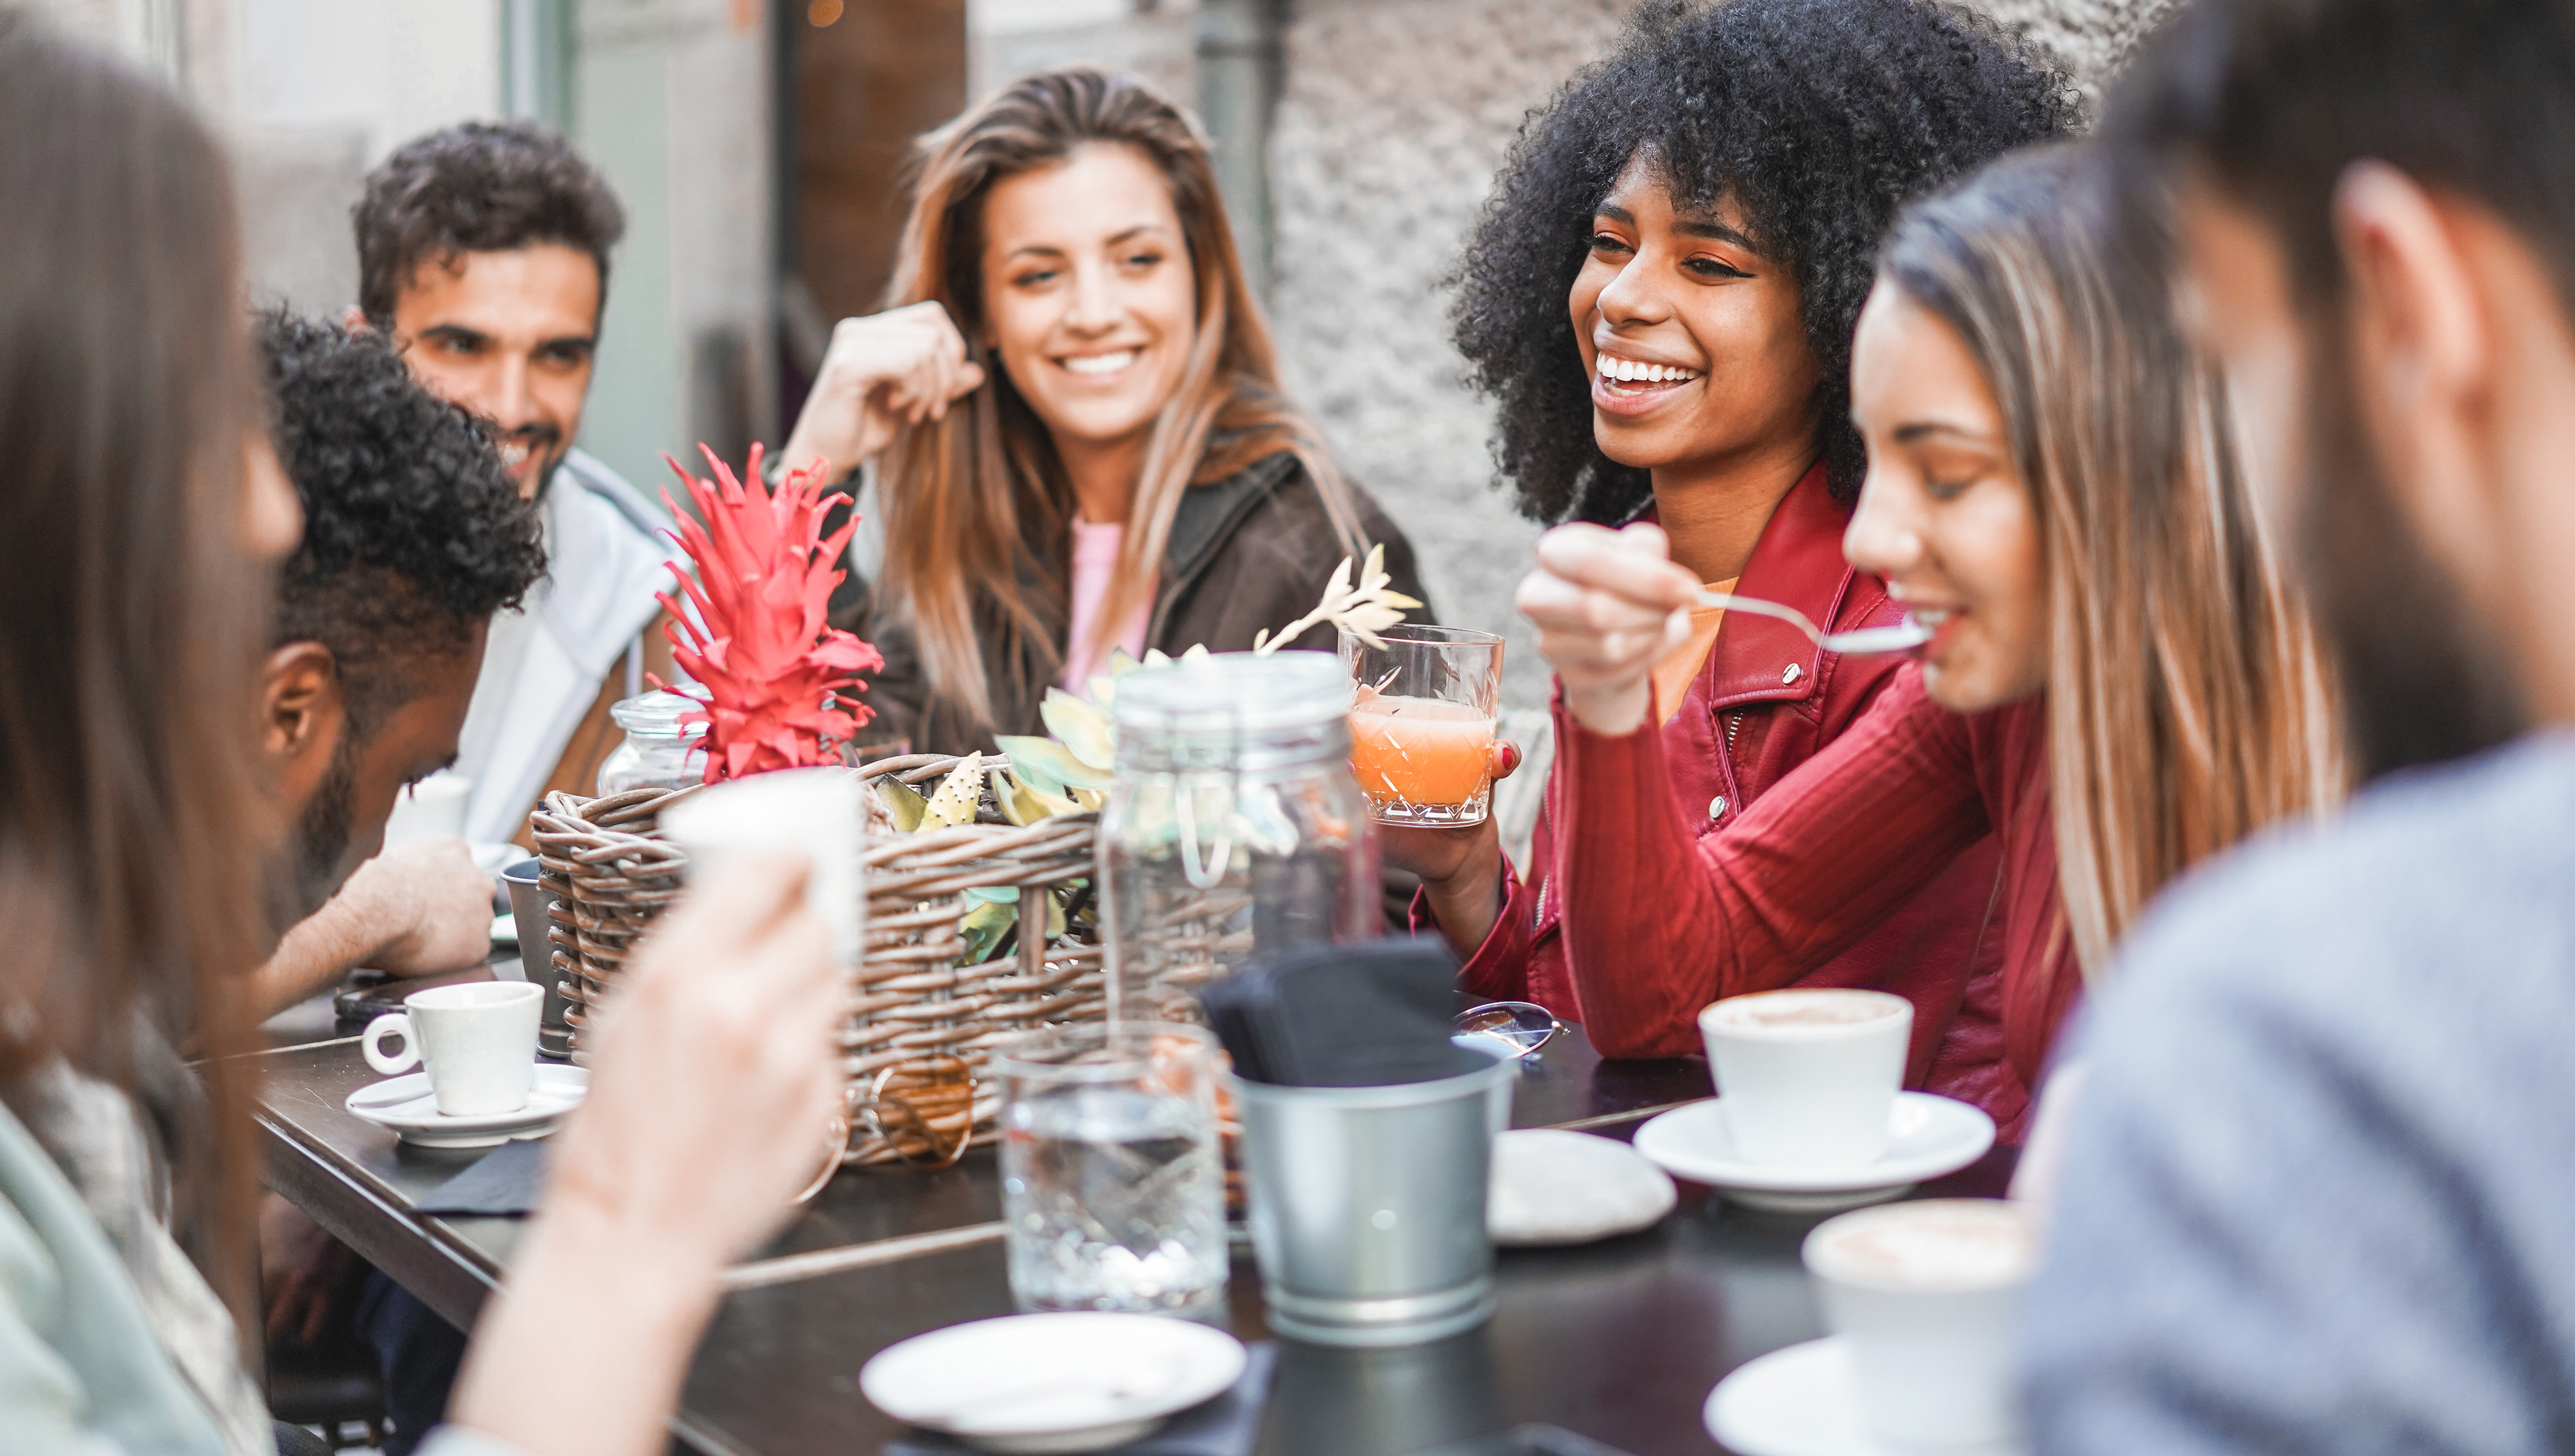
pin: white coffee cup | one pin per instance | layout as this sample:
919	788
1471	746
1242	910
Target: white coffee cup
478	1041
1808	1077
1928	1296
433	808
816	811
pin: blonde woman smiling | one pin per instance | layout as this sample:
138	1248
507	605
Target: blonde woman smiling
1075	405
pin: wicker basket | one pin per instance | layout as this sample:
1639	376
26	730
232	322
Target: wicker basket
921	1027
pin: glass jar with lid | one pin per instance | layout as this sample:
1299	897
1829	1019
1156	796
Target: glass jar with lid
660	751
1235	830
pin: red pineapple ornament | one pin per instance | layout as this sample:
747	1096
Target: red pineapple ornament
776	678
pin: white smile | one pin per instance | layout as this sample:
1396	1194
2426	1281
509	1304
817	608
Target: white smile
1928	615
1615	369
1099	362
514	453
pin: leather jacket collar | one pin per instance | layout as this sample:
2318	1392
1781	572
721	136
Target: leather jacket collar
1797	563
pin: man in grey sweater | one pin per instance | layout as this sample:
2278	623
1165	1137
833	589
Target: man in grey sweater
2318	1192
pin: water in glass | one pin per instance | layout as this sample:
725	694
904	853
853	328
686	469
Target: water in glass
1111	1184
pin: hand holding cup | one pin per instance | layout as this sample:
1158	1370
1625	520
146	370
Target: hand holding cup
710	1084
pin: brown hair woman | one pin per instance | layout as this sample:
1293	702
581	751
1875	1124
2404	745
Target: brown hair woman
140	509
1075	412
2119	683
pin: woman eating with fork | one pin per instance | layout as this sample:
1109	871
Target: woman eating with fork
1660	300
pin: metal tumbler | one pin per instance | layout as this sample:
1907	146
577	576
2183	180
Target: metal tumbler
1368	1204
528	906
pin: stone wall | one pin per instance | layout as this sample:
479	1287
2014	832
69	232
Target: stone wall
1394	115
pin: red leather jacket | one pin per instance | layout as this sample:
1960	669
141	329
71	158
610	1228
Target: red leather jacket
1765	702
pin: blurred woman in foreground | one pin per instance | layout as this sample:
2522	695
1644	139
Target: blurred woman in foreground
140	509
2120	685
1076	411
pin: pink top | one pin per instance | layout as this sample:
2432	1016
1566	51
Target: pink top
1095	566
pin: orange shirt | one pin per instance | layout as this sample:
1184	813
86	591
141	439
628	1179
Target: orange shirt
1673	673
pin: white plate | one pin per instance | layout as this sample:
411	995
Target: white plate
1933	1135
404	1105
1804	1401
1053	1383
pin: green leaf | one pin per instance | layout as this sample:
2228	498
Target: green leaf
1026	805
957	793
1003	895
1080	727
903	802
1052	765
984	926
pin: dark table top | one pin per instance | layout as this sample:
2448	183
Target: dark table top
1619	1340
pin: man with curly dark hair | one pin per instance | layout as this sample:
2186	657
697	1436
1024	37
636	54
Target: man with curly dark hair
414	537
483	254
1660	297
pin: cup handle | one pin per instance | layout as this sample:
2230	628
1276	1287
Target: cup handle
388	1025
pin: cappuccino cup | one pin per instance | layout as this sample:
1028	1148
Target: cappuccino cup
478	1043
1808	1077
818	810
1927	1295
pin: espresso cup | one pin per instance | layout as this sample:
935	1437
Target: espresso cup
1808	1077
477	1040
1927	1295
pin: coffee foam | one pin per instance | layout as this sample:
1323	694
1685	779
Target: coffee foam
1805	1010
1947	1243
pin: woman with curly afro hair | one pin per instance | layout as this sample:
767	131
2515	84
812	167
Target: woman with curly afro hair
1660	297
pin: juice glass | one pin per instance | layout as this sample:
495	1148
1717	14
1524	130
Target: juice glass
1421	725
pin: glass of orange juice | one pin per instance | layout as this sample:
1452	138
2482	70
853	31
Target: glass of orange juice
1421	727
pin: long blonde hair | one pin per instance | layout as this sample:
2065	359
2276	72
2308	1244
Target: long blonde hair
970	499
2188	704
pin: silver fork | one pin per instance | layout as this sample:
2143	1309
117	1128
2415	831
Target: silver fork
1904	637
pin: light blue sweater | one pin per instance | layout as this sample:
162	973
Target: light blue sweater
2319	1188
111	1343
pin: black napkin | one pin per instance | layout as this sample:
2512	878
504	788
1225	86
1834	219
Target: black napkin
1224	1426
1372	1015
504	1183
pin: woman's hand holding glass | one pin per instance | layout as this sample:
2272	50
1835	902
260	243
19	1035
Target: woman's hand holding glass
1607	605
1460	869
708	1094
881	373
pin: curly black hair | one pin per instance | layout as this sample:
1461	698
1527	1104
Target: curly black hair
414	533
1817	119
478	187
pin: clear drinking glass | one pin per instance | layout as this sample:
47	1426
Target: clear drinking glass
1235	830
1422	722
1111	1183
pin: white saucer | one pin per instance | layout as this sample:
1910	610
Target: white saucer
404	1103
1933	1135
1804	1401
1551	1186
1037	1383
